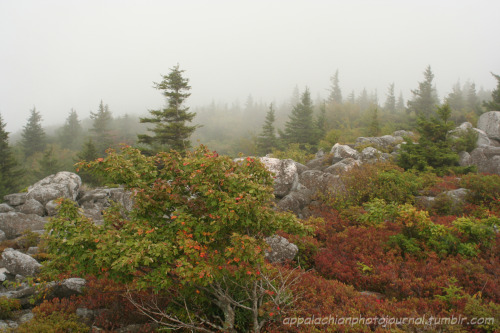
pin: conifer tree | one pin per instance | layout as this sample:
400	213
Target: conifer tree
267	140
472	100
9	170
88	153
425	98
48	164
33	134
101	132
400	104
455	99
335	91
494	104
70	134
300	127
321	122
171	130
390	102
374	129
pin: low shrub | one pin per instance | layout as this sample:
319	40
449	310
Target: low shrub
7	305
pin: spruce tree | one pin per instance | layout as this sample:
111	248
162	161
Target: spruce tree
434	150
48	164
321	122
374	129
171	130
88	153
267	140
33	134
300	127
335	91
425	98
400	104
390	102
455	99
70	134
10	173
101	131
472	100
494	104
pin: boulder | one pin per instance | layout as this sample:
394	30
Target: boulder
295	202
15	223
281	249
3	236
320	163
4	208
51	207
63	184
95	201
370	154
489	122
19	263
285	174
15	199
342	166
483	140
314	180
67	288
340	152
386	142
31	206
457	197
487	159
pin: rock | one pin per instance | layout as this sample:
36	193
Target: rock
3	236
486	159
63	184
95	201
15	199
7	325
285	174
320	163
457	197
340	152
32	250
403	134
31	206
281	249
19	263
464	158
51	207
26	317
386	142
342	166
4	208
300	167
14	223
482	139
489	122
294	202
68	288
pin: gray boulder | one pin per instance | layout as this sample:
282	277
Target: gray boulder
15	223
19	263
340	152
4	208
67	288
370	154
281	249
489	122
94	202
31	206
63	184
386	142
342	166
483	140
3	236
15	199
285	174
51	207
295	202
487	159
458	197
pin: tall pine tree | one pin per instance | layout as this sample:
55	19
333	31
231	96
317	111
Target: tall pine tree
171	130
267	140
335	91
70	135
425	99
33	134
10	173
390	102
300	127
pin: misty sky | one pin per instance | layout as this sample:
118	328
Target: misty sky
63	54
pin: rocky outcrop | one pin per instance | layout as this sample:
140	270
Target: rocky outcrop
489	122
285	174
93	202
13	224
19	263
281	249
61	185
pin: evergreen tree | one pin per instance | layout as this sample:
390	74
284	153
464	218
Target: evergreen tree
494	104
88	153
33	134
471	99
300	127
434	149
400	104
455	99
390	102
10	173
425	98
267	140
70	134
101	131
374	129
363	100
48	164
321	122
171	130
335	91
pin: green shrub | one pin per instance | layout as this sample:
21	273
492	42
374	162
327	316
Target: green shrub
294	152
58	322
7	305
484	190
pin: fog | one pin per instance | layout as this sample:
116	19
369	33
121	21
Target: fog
59	54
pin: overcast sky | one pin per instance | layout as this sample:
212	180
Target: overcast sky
63	54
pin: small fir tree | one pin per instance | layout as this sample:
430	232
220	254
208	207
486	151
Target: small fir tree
48	164
267	140
171	130
390	102
335	91
88	153
494	104
374	129
33	135
70	134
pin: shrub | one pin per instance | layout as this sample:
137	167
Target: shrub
484	190
294	152
7	305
